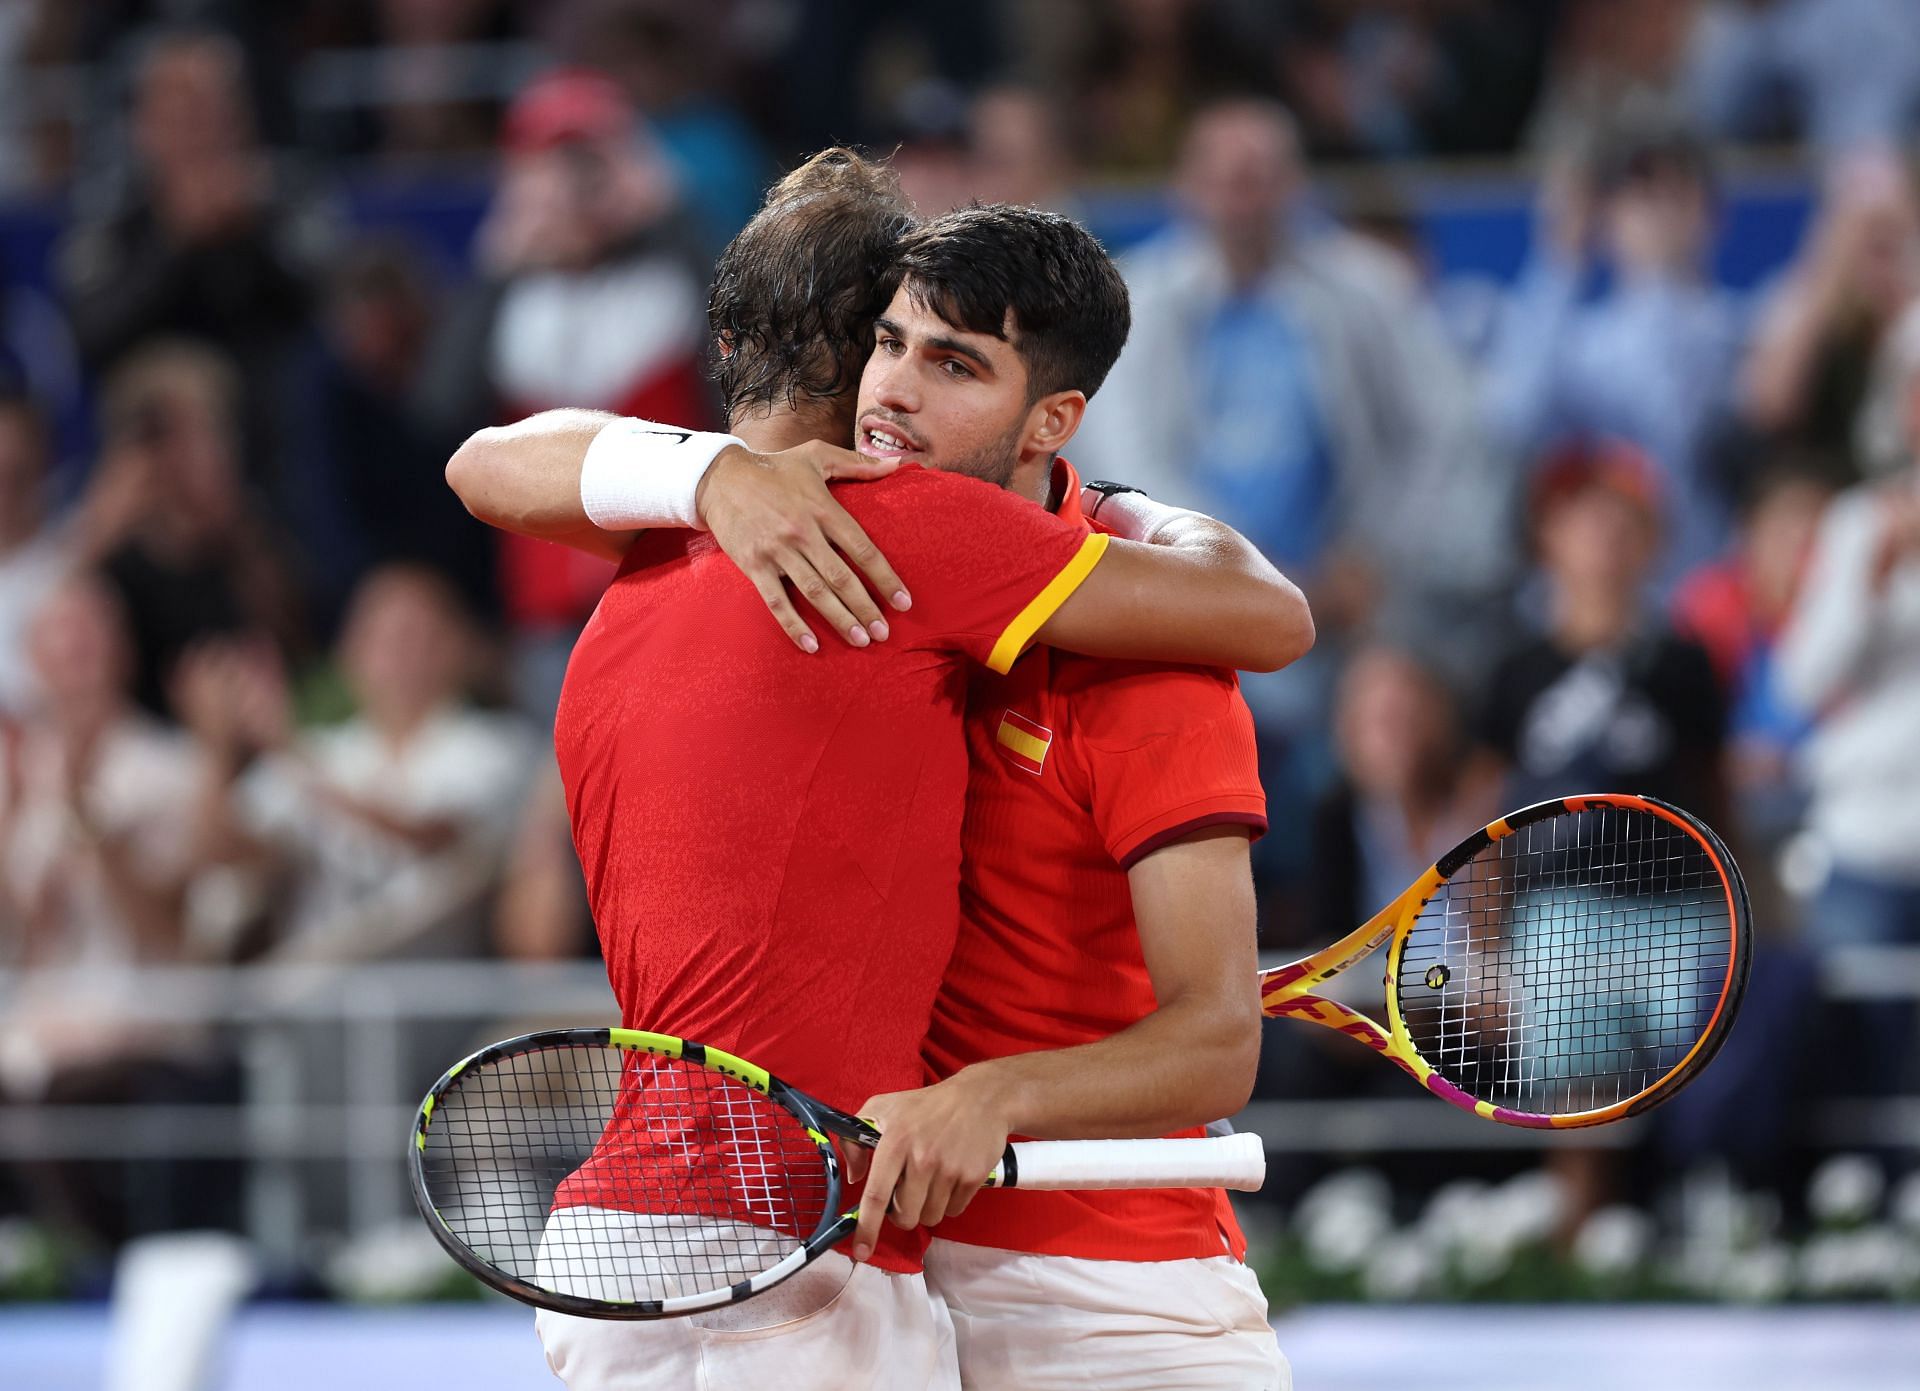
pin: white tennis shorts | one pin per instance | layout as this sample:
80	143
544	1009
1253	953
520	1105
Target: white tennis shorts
1059	1323
835	1326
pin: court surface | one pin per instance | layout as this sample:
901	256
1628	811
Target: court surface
492	1348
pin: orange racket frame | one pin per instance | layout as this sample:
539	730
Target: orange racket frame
1290	991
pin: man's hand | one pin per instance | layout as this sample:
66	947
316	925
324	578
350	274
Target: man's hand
937	1146
775	519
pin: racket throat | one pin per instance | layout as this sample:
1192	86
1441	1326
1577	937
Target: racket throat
1006	1174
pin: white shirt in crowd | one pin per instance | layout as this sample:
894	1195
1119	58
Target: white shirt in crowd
359	891
1850	656
28	576
66	1010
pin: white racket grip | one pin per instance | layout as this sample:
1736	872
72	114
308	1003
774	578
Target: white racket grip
1225	1161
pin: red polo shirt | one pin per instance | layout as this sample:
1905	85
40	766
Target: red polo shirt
771	840
1079	768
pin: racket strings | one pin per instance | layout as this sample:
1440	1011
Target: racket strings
591	1172
1571	965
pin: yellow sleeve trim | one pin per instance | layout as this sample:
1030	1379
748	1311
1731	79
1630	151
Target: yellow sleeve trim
1019	633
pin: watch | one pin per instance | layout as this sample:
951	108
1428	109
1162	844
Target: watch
1106	490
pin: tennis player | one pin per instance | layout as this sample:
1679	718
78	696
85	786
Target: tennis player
771	838
1102	984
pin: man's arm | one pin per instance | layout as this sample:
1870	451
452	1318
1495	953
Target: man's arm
770	513
525	478
1189	1062
1200	593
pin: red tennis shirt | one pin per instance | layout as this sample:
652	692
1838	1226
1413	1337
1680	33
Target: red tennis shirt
1079	769
771	840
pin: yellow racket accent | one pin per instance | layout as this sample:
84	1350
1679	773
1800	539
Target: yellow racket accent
1604	950
640	1041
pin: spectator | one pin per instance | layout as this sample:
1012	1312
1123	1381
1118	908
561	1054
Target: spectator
188	552
95	866
407	82
1849	659
1401	800
592	296
932	148
1148	67
1808	371
1397	802
205	240
431	74
1455	77
1614	61
1652	360
1838	73
38	359
372	458
18	162
669	58
1885	439
389	828
1021	153
1734	608
95	858
932	156
1607	697
32	556
1290	378
836	57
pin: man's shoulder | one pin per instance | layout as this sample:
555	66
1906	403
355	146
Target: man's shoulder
1118	705
916	503
917	486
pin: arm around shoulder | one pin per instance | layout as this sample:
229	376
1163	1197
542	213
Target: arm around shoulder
1201	594
525	478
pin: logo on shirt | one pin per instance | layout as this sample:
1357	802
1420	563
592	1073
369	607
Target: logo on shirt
1023	742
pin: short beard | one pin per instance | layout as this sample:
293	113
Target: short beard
995	462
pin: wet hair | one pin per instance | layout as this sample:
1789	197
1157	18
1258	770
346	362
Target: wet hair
795	294
1035	279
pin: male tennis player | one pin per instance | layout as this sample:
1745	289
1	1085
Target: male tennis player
1102	984
783	877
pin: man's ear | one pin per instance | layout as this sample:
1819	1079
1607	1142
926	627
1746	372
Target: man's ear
723	342
1054	419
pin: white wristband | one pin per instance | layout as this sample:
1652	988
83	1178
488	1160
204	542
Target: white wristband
1131	516
638	474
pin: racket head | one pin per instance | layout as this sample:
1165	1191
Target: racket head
1576	962
624	1174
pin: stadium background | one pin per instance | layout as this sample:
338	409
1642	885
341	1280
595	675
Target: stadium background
1550	341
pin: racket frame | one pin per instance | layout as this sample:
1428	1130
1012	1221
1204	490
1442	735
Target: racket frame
1291	991
821	1122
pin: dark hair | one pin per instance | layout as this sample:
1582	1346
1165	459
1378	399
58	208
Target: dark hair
795	294
1643	147
975	266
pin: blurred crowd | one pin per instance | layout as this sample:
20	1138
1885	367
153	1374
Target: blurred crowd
266	693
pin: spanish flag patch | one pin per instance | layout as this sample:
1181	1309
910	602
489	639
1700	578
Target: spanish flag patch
1023	742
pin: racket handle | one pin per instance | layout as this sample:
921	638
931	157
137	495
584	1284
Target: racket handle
1224	1161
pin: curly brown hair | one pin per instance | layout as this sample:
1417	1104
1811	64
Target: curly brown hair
795	294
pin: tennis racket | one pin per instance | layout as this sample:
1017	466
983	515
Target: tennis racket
1573	963
620	1174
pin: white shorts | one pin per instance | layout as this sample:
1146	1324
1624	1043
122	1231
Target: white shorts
835	1326
1059	1323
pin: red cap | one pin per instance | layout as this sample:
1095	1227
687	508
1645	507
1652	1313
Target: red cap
568	104
1623	468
